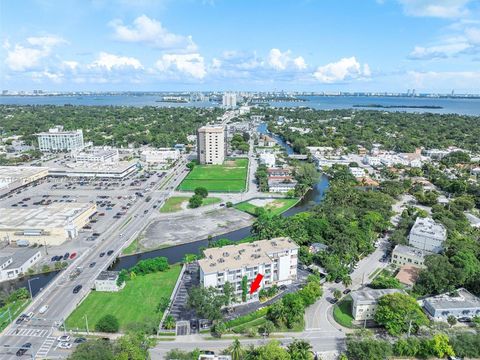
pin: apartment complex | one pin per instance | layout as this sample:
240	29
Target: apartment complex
365	302
460	304
229	100
58	140
275	259
427	235
211	144
408	255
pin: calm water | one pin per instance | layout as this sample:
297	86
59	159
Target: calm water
459	106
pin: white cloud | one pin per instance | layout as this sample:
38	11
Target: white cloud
111	62
342	70
71	65
436	8
444	81
282	60
29	57
152	32
473	35
192	65
438	51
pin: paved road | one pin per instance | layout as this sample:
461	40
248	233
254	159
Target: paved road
58	295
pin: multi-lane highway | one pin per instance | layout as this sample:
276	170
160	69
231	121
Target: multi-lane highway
58	295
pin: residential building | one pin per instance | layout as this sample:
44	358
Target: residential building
408	255
357	172
58	140
229	100
279	172
426	234
107	281
268	159
281	185
365	302
211	144
460	304
160	157
214	357
51	224
17	262
316	247
275	259
266	141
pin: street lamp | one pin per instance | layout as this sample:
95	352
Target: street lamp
30	287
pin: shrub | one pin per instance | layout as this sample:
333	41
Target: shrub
108	323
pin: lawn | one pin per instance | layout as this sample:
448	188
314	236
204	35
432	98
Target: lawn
15	309
174	203
342	312
134	303
229	177
276	207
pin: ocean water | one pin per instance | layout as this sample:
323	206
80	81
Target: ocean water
458	106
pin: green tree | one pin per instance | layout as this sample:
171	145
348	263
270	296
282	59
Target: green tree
385	282
108	323
270	351
368	349
300	350
132	346
169	322
244	288
236	350
400	313
337	294
201	191
267	328
452	320
94	349
163	304
228	293
219	329
195	201
440	346
293	309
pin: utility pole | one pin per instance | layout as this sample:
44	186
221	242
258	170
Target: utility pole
86	324
30	287
46	247
409	327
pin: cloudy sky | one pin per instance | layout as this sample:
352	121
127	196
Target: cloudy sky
348	45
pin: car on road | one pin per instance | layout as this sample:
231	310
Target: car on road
65	345
66	256
332	300
20	319
464	319
347	291
109	252
73	255
64	338
102	254
43	309
80	340
92	264
77	288
23	349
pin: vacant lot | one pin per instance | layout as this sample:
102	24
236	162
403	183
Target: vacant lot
229	177
272	206
177	203
136	302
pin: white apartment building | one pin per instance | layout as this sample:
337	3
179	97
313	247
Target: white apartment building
275	259
160	157
229	100
365	302
426	234
460	304
268	159
358	172
57	140
408	255
14	264
211	144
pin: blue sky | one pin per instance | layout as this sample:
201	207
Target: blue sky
317	45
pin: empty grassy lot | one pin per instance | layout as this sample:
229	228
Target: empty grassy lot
136	302
229	177
342	312
276	207
175	203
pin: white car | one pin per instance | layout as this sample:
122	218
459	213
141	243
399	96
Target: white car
65	345
64	338
43	309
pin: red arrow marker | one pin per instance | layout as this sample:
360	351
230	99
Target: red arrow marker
256	283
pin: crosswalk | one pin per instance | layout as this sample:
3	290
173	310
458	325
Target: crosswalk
46	346
28	332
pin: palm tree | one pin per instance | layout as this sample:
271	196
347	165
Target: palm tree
300	350
237	350
347	281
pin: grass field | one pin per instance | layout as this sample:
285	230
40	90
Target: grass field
276	207
342	312
175	203
134	303
229	177
15	309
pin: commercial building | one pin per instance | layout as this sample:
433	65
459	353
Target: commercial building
408	255
16	262
96	155
275	259
365	302
51	224
160	157
460	304
15	177
117	170
229	100
57	140
267	159
107	281
428	235
211	144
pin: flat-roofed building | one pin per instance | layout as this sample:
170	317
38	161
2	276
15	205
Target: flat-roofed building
107	281
365	302
426	234
16	262
96	155
409	255
58	140
460	304
211	144
160	157
268	160
51	224
15	177
117	170
275	259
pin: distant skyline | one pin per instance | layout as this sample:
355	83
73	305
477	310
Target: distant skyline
263	45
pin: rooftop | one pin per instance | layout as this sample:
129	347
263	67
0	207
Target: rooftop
243	255
117	167
108	275
13	173
428	227
371	296
19	256
460	299
45	217
411	251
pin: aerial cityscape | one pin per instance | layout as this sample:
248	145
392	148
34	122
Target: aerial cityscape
240	180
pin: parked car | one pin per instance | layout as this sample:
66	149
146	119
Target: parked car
77	288
109	252
73	255
332	301
92	264
102	254
65	345
346	291
66	256
64	338
80	340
